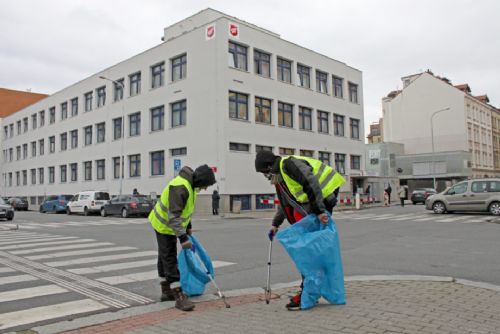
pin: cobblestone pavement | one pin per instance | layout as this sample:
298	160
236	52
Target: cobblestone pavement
378	307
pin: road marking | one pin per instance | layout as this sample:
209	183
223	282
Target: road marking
37	240
12	319
45	244
83	252
451	219
23	237
100	259
64	247
404	217
17	234
16	279
6	270
112	267
37	291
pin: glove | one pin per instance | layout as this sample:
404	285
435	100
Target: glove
193	248
323	218
187	244
272	232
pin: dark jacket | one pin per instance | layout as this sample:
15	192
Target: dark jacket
215	200
177	198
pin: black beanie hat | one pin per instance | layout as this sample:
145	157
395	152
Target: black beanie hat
263	160
203	176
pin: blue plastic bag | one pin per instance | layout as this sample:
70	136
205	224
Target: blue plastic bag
193	275
315	250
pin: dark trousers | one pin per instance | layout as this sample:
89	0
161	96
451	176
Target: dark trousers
215	211
167	257
402	202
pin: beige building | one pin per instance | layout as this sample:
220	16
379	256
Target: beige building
376	132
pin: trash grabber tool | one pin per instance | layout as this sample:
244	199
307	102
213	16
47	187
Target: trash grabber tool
221	295
268	285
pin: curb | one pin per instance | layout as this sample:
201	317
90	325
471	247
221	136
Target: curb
102	318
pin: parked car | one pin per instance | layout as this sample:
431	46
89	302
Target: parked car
18	204
471	195
55	203
6	210
421	194
87	202
128	205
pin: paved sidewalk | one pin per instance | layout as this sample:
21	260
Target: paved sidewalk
381	305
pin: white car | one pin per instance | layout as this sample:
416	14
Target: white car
87	202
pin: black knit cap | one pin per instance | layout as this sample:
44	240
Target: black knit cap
263	160
203	176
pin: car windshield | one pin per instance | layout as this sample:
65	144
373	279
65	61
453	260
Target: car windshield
141	199
67	197
101	196
2	201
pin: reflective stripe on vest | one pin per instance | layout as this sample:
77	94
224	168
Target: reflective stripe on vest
328	179
160	214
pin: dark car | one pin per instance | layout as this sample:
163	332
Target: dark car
55	203
127	205
420	195
18	204
6	210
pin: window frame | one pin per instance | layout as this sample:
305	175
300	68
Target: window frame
338	89
134	164
282	112
353	92
340	163
305	113
87	135
284	66
355	161
321	82
238	99
178	64
259	59
304	72
262	110
135	83
157	116
134	121
157	75
100	92
238	53
354	127
178	113
157	159
100	132
337	125
323	118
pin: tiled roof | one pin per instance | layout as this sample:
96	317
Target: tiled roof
15	100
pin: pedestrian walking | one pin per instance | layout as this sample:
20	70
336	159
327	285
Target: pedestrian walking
300	192
215	202
135	192
386	198
402	195
389	191
171	220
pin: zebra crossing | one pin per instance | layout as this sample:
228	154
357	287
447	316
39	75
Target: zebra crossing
45	276
414	217
33	225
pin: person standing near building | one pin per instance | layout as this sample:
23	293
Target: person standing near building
388	190
215	202
303	186
402	195
171	220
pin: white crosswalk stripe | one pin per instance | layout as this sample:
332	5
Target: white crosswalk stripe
38	291
80	252
98	222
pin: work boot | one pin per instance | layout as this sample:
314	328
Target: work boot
181	300
294	304
166	292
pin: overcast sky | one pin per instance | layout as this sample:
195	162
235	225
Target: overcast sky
50	44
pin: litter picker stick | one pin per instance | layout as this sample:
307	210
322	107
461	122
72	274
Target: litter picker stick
221	295
268	286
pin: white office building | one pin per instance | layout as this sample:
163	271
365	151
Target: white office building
215	91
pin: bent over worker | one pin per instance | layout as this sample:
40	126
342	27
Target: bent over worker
304	186
171	220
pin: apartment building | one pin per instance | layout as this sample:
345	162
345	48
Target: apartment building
215	91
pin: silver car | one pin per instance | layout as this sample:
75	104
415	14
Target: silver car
470	195
6	210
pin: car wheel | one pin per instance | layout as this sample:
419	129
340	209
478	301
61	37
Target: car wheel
494	208
10	217
41	209
438	207
103	212
68	211
124	213
85	211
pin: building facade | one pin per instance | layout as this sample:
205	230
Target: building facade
216	91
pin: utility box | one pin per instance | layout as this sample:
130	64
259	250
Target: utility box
236	206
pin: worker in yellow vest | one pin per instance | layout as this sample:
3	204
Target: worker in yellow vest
304	185
171	220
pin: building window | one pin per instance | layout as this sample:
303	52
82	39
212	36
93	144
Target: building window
118	86
52	174
304	75
285	114
321	82
25	151
338	87
157	75
116	167
52	115
63	172
18	152
238	56
88	101
353	93
6	132
33	149
74	107
354	128
284	70
33	176
87	169
323	121
18	127
42	117
34	124
10	179
238	105
134	121
178	110
158	163
157	118
100	168
11	154
117	128
40	176
87	133
135	83
244	199
134	164
101	96
178	151
338	125
355	162
41	146
306	153
259	205
100	129
178	67
18	179
262	110
286	151
262	63
239	147
73	167
305	118
64	141
64	110
324	157
11	127
25	125
74	138
259	148
340	163
25	177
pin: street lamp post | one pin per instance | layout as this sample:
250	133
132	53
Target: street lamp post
432	140
122	129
